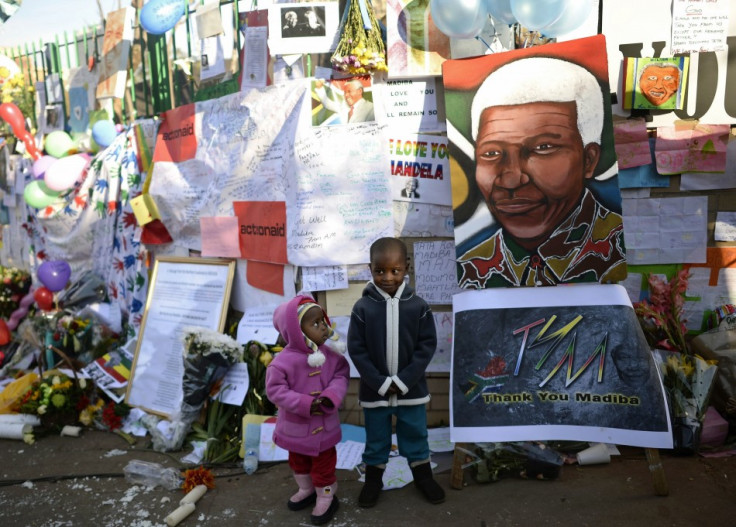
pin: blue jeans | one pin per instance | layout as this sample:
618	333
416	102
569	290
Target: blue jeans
411	432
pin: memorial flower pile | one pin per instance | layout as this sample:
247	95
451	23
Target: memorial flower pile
14	284
361	49
258	356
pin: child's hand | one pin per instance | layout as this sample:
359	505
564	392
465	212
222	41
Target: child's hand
314	408
393	390
327	402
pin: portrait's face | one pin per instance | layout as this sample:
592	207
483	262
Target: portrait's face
531	166
352	94
314	326
291	19
658	84
388	270
411	185
631	365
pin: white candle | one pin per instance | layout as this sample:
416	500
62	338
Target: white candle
72	431
179	514
14	430
193	495
26	419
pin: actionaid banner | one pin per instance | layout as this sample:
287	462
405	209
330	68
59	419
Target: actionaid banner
554	363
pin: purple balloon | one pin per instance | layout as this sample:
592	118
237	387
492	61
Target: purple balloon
41	165
54	274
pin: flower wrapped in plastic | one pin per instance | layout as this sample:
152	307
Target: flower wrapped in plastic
661	317
208	355
688	381
361	49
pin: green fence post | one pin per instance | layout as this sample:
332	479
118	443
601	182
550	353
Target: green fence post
160	74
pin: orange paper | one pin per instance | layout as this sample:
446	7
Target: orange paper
262	227
266	276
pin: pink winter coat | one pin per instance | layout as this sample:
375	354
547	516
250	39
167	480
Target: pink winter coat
292	384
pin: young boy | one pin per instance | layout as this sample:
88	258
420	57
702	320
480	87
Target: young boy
391	340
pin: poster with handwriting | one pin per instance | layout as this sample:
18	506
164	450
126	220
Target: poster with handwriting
339	196
248	142
434	271
420	168
554	363
699	26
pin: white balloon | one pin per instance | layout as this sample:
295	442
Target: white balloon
459	18
576	12
65	172
536	14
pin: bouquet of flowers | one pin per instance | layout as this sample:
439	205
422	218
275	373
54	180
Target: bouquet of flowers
258	356
56	398
527	459
687	380
71	334
360	49
661	317
14	286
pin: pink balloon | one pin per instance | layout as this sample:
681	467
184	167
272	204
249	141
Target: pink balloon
40	166
16	317
65	172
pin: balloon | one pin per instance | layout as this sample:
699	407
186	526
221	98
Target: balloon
54	274
501	11
158	16
44	298
459	18
104	132
12	115
58	144
41	165
38	195
65	172
536	14
4	333
576	12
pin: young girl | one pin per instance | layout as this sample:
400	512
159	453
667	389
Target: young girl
307	381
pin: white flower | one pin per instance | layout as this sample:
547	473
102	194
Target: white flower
56	380
82	383
42	409
28	438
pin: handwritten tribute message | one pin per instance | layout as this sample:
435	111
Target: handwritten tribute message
434	271
699	25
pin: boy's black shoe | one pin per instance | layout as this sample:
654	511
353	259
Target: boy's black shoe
372	486
425	482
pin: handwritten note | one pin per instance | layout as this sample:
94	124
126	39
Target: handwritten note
701	148
324	278
699	26
257	324
220	236
434	271
631	143
410	105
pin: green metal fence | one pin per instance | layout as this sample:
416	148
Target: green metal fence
154	84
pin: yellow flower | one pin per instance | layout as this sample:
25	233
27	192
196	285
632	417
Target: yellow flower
265	358
85	416
82	383
29	439
56	380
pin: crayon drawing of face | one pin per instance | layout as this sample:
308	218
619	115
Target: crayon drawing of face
659	82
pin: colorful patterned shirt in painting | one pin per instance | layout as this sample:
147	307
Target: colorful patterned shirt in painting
587	247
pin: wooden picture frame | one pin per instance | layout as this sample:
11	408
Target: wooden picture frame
184	292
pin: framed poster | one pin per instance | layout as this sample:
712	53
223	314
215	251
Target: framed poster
184	292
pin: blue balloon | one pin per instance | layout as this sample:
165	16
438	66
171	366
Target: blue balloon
501	11
104	132
158	16
536	14
576	12
459	18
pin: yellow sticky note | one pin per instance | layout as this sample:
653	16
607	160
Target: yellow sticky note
145	209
